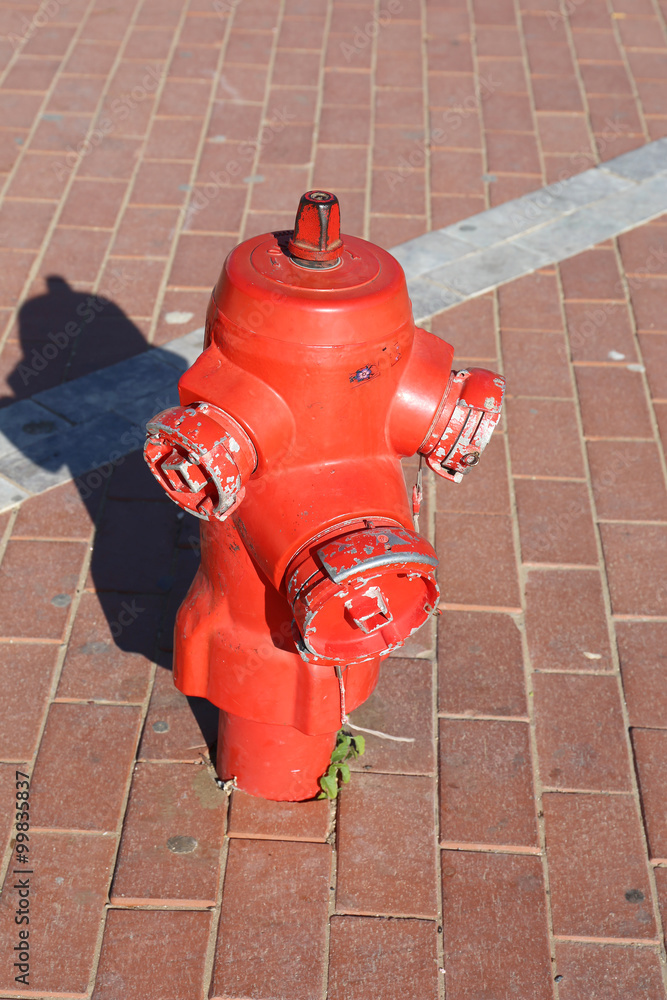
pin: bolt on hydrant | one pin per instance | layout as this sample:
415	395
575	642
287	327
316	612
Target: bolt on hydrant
313	383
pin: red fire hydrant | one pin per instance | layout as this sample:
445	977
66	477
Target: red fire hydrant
313	384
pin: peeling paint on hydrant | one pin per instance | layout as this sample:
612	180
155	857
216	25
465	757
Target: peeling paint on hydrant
312	385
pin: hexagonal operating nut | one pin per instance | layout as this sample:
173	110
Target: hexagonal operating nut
368	610
183	473
201	457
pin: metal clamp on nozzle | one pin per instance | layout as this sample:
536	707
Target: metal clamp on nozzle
465	420
201	457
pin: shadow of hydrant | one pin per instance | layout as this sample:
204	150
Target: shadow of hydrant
144	555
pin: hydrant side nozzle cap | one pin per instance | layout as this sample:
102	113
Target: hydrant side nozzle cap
316	235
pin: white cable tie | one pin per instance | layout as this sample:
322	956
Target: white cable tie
341	686
376	732
417	497
345	721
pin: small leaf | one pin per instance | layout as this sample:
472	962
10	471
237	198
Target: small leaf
329	786
359	744
340	753
344	773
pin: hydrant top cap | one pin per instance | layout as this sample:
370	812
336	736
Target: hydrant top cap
326	284
314	256
356	262
316	238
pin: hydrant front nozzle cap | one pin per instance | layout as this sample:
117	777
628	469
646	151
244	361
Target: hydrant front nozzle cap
316	236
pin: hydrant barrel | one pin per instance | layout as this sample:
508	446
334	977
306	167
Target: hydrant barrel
312	386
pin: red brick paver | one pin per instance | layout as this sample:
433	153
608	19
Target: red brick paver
170	849
70	895
273	929
495	898
158	955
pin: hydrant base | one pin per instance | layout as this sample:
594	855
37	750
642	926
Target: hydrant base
272	761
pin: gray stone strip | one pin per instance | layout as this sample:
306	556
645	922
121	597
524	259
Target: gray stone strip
94	421
90	422
474	256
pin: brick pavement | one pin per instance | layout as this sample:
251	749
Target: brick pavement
141	140
520	844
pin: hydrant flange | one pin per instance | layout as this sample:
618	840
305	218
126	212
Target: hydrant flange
362	593
202	457
465	420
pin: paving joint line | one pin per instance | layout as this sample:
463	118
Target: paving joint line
632	759
62	645
528	673
183	217
93	114
633	791
130	182
254	166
